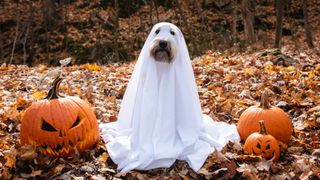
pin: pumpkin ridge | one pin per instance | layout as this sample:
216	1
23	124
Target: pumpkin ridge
24	131
93	135
77	107
64	122
48	138
55	108
72	99
35	124
68	103
64	109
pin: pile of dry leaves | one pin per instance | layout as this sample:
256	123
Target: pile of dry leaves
227	86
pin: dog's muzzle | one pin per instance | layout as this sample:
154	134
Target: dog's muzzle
162	50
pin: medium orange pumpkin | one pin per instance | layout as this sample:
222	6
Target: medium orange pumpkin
59	125
262	144
277	122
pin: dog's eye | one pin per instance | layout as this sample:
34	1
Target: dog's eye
157	31
172	32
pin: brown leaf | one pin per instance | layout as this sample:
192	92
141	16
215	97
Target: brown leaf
295	149
246	168
39	95
58	169
27	152
10	157
36	173
205	172
263	165
104	157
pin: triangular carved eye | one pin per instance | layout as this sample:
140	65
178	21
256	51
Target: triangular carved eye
76	122
268	147
258	146
47	127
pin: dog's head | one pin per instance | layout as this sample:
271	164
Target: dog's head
163	46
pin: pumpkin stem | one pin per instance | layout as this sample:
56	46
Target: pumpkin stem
54	90
264	101
262	128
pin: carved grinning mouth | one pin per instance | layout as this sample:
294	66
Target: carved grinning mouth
263	152
59	149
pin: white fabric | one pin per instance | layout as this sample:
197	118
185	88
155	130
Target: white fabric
160	118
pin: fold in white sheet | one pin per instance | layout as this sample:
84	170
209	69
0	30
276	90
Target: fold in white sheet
160	118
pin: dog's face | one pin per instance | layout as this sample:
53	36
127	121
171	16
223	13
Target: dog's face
163	46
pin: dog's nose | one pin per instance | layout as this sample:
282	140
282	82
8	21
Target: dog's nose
163	44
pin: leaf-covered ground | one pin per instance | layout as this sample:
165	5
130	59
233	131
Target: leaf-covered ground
227	85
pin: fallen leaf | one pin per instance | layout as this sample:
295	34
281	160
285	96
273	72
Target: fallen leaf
27	152
104	157
39	95
263	165
10	157
58	168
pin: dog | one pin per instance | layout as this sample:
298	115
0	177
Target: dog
160	118
163	47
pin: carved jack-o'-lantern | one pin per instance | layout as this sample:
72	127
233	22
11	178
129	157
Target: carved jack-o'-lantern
262	144
59	125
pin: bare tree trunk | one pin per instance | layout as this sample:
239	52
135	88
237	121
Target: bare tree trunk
31	40
248	8
234	22
177	15
116	31
194	47
279	12
130	37
306	24
47	43
202	35
1	48
50	13
157	12
129	33
24	44
200	13
50	17
16	36
151	12
179	4
293	36
65	24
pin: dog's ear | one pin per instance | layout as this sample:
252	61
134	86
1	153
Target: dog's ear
179	32
149	29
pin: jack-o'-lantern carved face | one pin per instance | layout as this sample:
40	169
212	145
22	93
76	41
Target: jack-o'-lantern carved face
262	144
58	125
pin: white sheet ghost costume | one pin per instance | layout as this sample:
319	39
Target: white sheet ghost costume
160	118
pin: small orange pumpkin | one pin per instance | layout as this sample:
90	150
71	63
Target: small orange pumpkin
262	144
59	125
277	122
